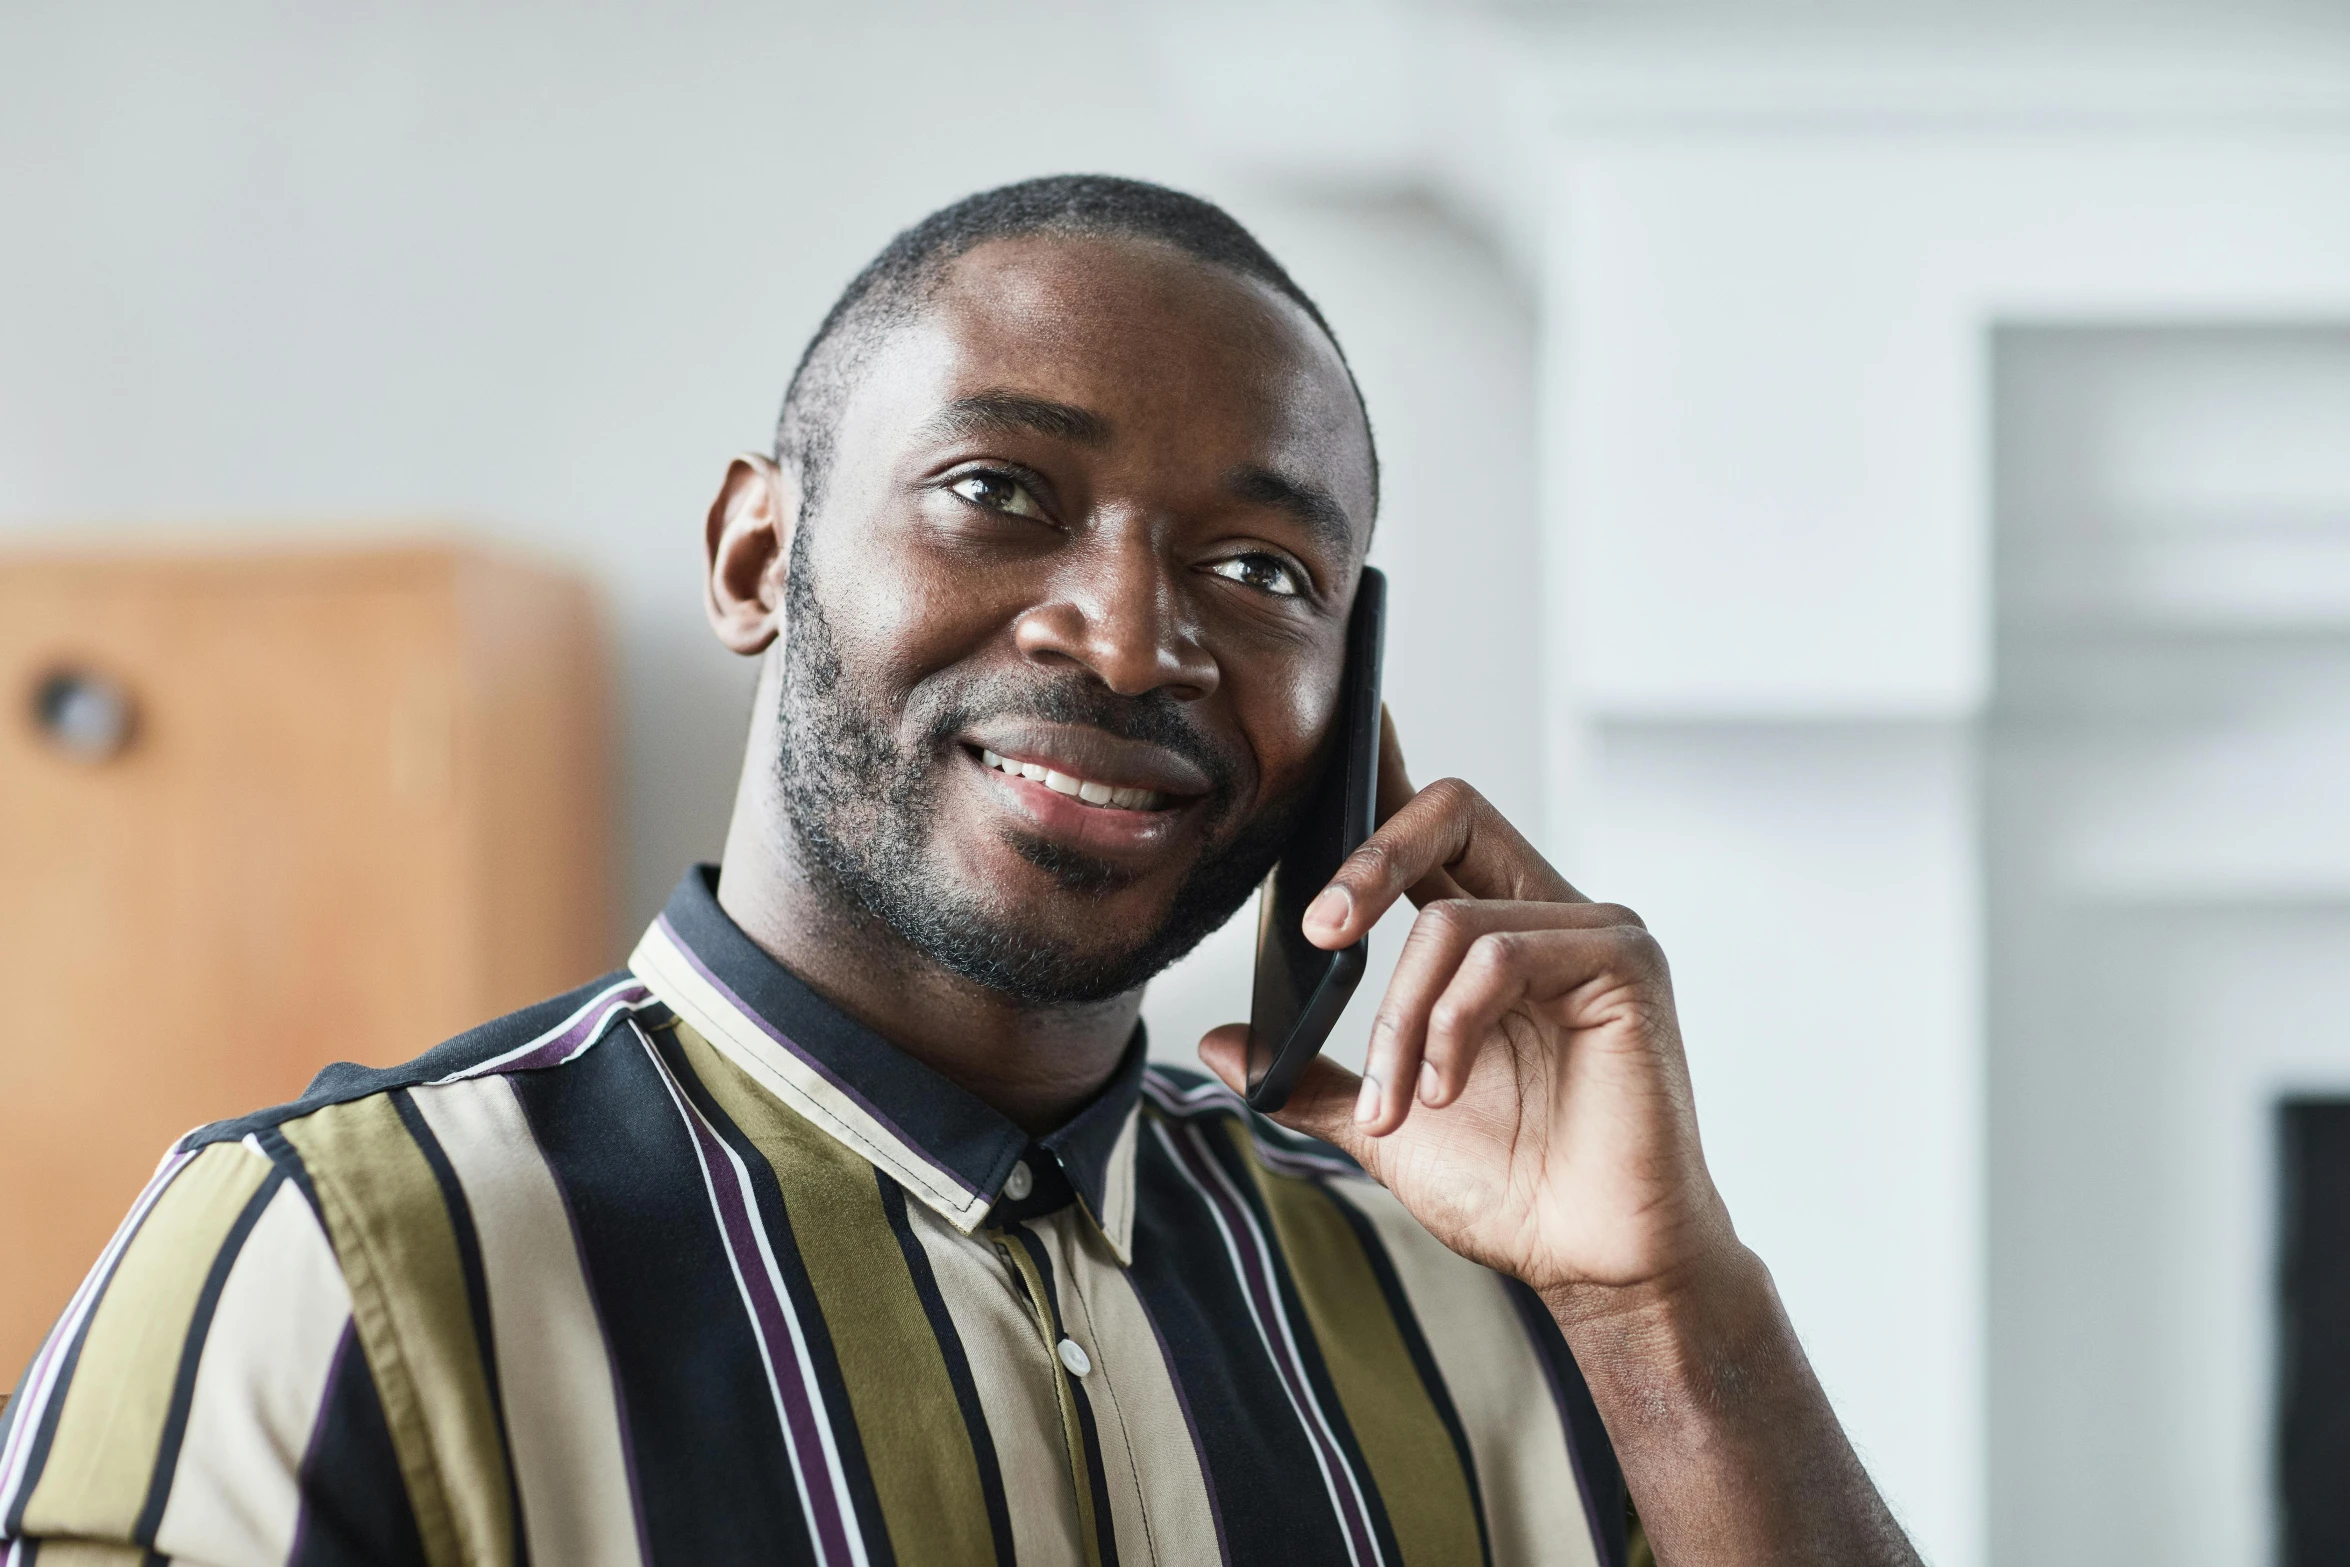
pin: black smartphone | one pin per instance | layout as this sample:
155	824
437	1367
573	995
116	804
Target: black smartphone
1301	989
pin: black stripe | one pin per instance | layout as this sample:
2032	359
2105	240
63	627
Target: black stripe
477	1293
1259	1464
698	1426
286	1157
355	1508
1217	1137
183	1388
950	1348
1587	1440
1415	1343
833	1387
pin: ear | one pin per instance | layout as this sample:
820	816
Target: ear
746	549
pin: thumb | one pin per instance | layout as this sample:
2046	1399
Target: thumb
1322	1104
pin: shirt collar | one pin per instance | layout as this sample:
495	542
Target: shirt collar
949	1150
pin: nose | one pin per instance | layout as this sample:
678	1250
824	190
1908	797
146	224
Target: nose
1121	614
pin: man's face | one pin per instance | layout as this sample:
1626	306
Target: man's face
1065	631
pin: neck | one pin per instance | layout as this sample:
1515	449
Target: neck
1036	1065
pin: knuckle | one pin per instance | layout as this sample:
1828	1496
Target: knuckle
1445	920
1374	859
1495	949
1452	794
1636	949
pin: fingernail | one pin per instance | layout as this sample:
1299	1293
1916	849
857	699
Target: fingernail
1367	1102
1430	1084
1331	908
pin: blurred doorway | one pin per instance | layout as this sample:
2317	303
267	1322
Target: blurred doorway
2167	818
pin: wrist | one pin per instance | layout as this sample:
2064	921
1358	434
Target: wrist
1691	1342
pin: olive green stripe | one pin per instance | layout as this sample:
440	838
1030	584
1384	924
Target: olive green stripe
89	1553
101	1462
1403	1439
909	1422
398	1248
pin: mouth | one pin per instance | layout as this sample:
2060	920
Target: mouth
1086	791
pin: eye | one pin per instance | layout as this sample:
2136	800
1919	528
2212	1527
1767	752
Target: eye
1265	573
998	492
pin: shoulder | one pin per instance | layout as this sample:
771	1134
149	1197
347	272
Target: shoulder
553	1032
390	1159
1180	1099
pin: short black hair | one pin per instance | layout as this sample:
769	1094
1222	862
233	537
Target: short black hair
895	286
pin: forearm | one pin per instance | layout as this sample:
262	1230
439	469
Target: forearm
1724	1435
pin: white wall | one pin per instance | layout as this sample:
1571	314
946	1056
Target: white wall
538	270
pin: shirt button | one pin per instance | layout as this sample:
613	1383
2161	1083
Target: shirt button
1073	1356
1020	1182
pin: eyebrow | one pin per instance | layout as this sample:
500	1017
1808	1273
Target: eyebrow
985	413
1312	505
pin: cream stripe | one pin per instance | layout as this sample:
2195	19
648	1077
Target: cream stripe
282	1314
554	1374
1533	1505
1158	1492
662	965
1012	1370
102	1459
1118	1187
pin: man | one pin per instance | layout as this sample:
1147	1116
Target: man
848	1224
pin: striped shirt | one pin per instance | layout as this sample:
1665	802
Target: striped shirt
687	1266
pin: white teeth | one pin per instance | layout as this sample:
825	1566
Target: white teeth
1084	789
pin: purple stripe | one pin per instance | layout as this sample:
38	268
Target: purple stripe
1257	1276
1290	1159
571	1037
751	1014
735	1216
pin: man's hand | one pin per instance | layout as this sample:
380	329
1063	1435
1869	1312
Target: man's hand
1524	1093
1526	1097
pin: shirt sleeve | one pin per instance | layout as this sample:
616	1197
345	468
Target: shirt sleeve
204	1397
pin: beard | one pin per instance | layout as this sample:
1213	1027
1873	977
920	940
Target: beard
860	803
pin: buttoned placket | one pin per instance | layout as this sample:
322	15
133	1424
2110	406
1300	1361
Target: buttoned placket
1070	1362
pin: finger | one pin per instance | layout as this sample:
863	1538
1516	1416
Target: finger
1321	1102
1395	792
1396	1061
1505	968
1447	828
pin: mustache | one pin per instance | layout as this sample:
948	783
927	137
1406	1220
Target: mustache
1154	718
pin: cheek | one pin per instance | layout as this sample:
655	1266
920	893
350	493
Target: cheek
898	617
1285	719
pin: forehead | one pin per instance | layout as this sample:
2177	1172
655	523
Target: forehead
1185	362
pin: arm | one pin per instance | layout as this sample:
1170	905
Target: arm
1526	1097
204	1397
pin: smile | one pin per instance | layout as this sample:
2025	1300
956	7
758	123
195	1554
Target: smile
1086	791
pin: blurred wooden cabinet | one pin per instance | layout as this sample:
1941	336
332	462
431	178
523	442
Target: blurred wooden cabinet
259	812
